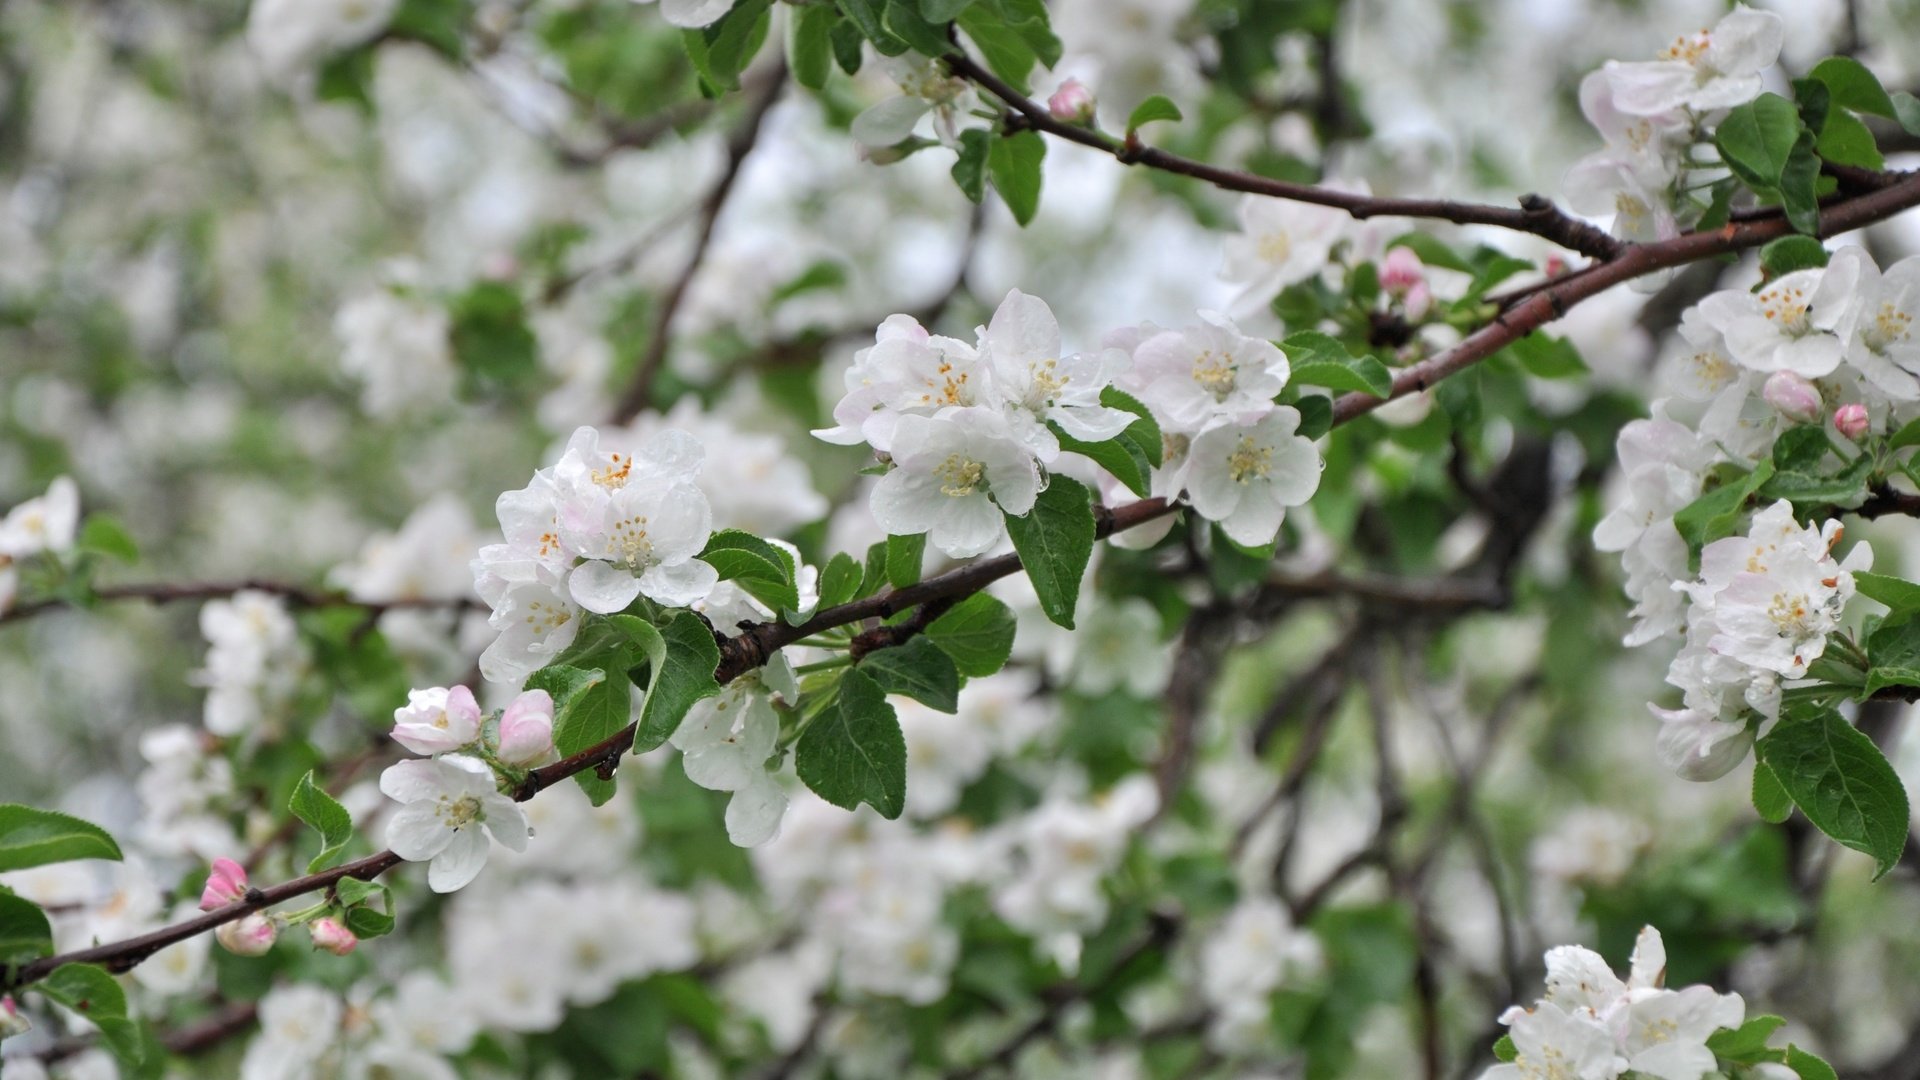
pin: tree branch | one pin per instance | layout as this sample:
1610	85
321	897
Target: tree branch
161	592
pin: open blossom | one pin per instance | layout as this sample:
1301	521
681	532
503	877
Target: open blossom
637	519
46	523
1253	952
526	729
1712	69
1034	385
1280	243
1776	593
1245	477
1874	318
299	1023
925	87
399	348
952	477
905	370
693	13
451	805
1195	376
436	720
226	884
1786	326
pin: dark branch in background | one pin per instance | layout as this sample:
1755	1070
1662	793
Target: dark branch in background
160	592
756	644
739	145
1535	215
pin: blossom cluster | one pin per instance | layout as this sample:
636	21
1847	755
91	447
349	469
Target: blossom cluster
39	525
1594	1026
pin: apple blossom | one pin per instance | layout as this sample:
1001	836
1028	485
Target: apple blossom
437	719
925	87
906	370
226	884
1072	103
299	1024
1786	326
1245	477
1711	69
1793	396
1193	377
252	935
526	729
1852	421
1034	385
1875	318
331	935
953	476
692	13
450	806
1280	243
45	523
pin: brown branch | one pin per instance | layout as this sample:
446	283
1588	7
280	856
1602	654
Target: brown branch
739	146
161	592
1535	215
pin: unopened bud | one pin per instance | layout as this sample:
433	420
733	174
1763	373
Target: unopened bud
1793	396
1851	421
1072	103
1401	270
332	935
225	884
12	1021
526	729
251	936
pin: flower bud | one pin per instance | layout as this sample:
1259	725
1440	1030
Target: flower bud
226	884
251	936
1851	421
12	1021
1072	103
436	720
332	935
1792	396
1401	270
526	729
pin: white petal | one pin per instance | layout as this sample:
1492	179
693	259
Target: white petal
680	585
507	822
754	813
460	863
889	122
602	587
416	832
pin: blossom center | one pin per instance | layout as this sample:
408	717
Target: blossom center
1047	382
545	617
1793	614
1216	373
959	476
1712	369
1786	307
614	475
1889	325
1275	247
459	813
1689	48
1249	461
630	542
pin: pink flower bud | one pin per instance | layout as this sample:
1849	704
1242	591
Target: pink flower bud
251	936
1072	103
11	1021
526	729
437	720
330	934
1792	396
1419	300
1401	270
1851	420
1556	265
226	884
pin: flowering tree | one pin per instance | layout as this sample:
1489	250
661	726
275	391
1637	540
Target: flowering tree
1203	666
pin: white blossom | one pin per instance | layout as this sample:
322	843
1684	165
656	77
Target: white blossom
1280	243
1245	477
1190	378
953	475
45	523
1704	71
450	806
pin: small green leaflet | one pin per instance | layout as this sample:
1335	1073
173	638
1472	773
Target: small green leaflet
1504	1050
589	705
977	633
1157	107
854	752
1842	782
720	52
903	557
970	166
1055	540
1014	163
1747	1044
1893	653
1790	253
103	534
1320	360
683	670
491	338
1770	800
839	580
1548	357
1131	455
1852	86
810	44
91	992
324	814
760	568
33	837
1756	139
25	934
1897	593
1717	513
920	670
1809	1066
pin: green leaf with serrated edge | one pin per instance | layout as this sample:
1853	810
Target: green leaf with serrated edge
368	923
1842	782
1316	415
1014	163
942	11
1893	656
1547	357
34	837
354	891
1801	449
1747	1044
761	569
1897	593
1852	86
839	580
324	814
1120	456
903	20
1028	18
591	713
1848	487
721	51
810	44
904	556
91	992
1055	540
25	934
564	683
1799	186
1317	359
1717	513
1809	1066
1907	435
682	676
854	752
970	166
1143	432
876	569
1504	1050
1770	800
1813	100
1007	52
1756	139
1432	251
1157	107
1790	253
1829	668
848	45
103	534
918	669
1845	140
976	633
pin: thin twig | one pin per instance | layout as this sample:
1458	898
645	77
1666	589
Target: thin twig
161	592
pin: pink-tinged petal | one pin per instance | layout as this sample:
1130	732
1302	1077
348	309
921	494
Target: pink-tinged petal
333	936
225	884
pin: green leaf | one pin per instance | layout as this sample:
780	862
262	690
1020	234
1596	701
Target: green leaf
1756	139
596	704
1842	782
564	683
810	44
1317	359
904	556
104	535
491	338
1119	456
33	837
1790	253
970	166
865	14
438	23
720	52
1906	109
854	752
1814	102
362	918
1006	50
1809	1066
976	633
1316	414
1845	140
1548	357
1157	107
1144	432
942	11
1770	800
1893	655
920	670
848	46
682	674
1747	1044
1852	86
1799	185
1432	251
1504	1050
1014	163
25	934
1908	435
1897	593
764	571
1720	204
1846	487
365	922
347	77
91	992
1055	540
839	580
1801	449
1718	512
902	18
324	814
